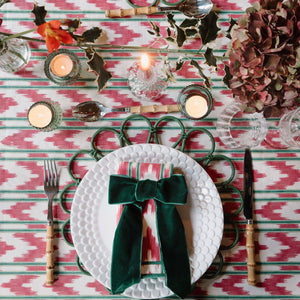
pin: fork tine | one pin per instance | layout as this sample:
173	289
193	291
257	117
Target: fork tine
55	174
51	178
50	173
47	173
44	172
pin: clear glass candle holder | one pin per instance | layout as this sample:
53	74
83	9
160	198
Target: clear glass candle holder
62	67
44	115
289	128
146	84
237	129
195	101
14	54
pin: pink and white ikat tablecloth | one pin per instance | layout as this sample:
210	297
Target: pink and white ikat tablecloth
23	204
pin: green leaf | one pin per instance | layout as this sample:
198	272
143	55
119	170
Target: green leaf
96	64
168	72
170	19
72	24
2	2
170	39
227	76
208	28
210	58
40	14
92	34
169	32
179	64
151	32
207	81
180	36
191	32
155	28
232	23
189	23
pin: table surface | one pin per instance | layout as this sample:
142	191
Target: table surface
23	149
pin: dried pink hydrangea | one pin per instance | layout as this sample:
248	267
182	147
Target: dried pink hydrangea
264	55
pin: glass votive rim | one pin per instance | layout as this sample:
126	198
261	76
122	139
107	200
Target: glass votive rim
194	90
146	84
286	134
56	117
247	138
70	77
15	54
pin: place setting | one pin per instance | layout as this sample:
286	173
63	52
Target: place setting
94	219
150	149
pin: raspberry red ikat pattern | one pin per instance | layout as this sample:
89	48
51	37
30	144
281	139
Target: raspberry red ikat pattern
23	208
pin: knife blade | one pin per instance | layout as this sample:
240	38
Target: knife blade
248	212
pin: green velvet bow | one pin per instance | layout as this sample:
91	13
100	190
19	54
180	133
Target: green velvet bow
127	245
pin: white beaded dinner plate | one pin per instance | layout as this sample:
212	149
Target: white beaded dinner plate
93	220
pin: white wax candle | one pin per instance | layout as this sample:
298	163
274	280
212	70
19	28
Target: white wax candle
196	106
145	62
40	115
61	65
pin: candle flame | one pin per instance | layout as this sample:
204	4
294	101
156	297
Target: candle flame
145	62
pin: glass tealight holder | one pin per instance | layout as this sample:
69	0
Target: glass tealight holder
146	84
289	128
44	115
62	67
241	130
14	54
195	102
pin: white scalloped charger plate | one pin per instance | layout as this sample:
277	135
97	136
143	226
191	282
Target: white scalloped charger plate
93	220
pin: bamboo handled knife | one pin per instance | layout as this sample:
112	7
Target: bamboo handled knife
248	212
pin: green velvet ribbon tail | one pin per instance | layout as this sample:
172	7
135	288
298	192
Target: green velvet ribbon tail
127	248
173	247
127	245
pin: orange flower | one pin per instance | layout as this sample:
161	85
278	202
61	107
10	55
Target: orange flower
54	35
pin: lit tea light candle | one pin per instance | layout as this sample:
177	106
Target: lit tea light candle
61	65
145	79
40	115
196	106
145	62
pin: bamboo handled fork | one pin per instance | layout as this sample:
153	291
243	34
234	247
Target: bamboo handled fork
51	189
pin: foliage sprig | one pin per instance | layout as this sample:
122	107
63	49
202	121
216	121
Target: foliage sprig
63	32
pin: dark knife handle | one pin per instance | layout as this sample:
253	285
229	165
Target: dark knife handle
250	253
